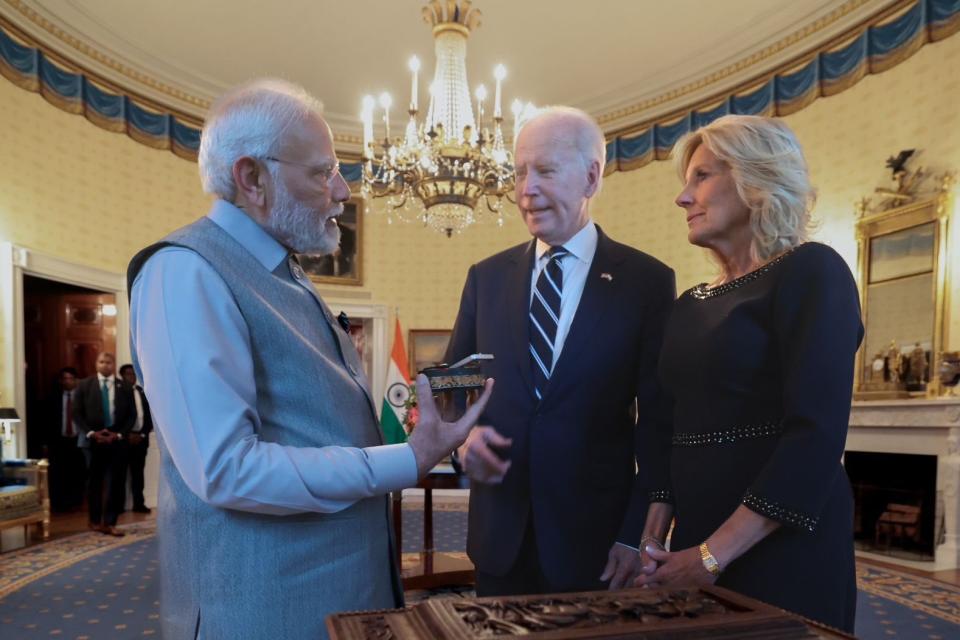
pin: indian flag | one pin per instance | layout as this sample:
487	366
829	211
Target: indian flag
398	390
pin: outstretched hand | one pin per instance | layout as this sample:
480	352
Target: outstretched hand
433	438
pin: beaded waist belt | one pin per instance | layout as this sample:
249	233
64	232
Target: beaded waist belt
727	436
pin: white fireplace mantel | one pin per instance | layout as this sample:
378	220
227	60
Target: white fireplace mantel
920	427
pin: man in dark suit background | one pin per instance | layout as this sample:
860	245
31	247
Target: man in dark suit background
104	410
575	321
68	470
139	440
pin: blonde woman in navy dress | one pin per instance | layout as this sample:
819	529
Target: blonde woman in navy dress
760	367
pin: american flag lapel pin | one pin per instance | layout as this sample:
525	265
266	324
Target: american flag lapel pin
607	277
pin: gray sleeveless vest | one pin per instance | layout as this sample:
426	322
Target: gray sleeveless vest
235	574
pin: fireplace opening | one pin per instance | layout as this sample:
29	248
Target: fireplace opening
894	503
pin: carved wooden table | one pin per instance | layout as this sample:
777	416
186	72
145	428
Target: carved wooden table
653	614
434	568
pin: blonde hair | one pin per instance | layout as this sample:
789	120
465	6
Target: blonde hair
770	174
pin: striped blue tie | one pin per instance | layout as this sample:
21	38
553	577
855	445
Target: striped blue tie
544	318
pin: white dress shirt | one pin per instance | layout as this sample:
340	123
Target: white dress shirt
195	353
63	413
138	401
582	247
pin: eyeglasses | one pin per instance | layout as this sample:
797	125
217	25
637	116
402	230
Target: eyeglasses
326	172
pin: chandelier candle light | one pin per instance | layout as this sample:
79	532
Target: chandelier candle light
446	170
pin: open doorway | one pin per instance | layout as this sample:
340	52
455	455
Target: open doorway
80	333
65	328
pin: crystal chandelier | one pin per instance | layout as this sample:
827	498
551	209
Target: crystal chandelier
449	170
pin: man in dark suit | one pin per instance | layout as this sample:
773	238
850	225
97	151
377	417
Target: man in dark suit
575	321
104	410
68	471
139	440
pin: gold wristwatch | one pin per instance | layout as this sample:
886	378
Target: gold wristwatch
709	562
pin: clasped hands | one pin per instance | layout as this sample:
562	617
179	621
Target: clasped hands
662	568
655	567
105	436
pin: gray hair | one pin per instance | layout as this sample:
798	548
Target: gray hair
249	120
770	173
586	136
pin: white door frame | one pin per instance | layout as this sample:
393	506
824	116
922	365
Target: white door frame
17	262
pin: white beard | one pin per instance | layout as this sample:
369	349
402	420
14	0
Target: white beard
299	227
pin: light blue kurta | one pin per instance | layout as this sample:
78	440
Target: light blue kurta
271	452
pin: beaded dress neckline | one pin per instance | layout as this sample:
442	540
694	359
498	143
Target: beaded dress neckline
702	291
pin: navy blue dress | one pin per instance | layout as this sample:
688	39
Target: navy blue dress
761	372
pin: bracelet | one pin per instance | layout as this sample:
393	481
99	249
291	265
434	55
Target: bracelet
645	539
709	562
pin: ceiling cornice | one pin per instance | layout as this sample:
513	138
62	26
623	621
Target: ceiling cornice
728	74
825	57
625	109
81	52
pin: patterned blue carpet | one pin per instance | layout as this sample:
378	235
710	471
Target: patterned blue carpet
113	594
891	604
91	587
449	530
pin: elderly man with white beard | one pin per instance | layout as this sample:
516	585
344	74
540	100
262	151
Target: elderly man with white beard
272	508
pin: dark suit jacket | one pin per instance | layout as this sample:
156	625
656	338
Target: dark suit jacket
53	418
574	452
88	406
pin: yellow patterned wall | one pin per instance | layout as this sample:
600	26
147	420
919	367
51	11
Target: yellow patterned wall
73	190
83	194
847	138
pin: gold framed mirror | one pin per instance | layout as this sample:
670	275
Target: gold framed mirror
903	293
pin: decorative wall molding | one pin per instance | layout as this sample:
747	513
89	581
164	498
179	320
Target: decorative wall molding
939	413
106	65
716	81
878	44
75	90
875	45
